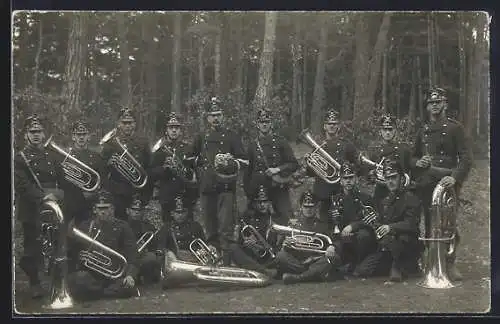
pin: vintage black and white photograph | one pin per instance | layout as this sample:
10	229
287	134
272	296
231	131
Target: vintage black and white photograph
212	162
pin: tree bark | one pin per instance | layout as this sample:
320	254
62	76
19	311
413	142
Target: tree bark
413	91
462	70
319	88
296	80
420	91
264	87
126	89
384	81
218	40
175	101
38	52
201	64
151	75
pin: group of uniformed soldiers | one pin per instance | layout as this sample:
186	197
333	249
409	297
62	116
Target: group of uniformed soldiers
183	172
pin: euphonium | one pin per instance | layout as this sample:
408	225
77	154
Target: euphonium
100	258
125	163
59	294
175	163
203	253
75	171
441	239
319	161
304	240
263	250
379	169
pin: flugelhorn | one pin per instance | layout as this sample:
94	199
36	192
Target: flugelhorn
59	293
379	169
262	249
75	171
319	161
304	240
441	240
99	257
125	163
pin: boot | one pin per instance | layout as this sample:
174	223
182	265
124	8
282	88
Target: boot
289	278
395	275
453	272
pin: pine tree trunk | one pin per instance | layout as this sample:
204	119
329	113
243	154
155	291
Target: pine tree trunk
319	88
175	101
126	89
462	71
384	81
264	87
201	65
413	91
151	75
420	101
38	53
218	40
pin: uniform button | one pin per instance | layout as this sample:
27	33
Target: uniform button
443	133
37	173
444	125
223	135
442	152
221	142
440	161
338	144
260	171
274	140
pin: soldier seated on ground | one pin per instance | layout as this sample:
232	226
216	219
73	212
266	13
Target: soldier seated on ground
91	282
248	251
302	266
148	260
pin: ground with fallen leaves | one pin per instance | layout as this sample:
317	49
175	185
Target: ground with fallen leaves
370	295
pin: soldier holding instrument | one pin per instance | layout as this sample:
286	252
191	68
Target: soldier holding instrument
303	266
114	233
220	156
121	188
441	154
271	164
38	177
169	167
249	252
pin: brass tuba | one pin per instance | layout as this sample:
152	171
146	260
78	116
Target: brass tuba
304	240
262	250
125	163
100	258
379	169
59	294
441	240
75	171
175	163
319	161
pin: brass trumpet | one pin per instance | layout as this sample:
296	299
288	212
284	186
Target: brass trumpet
379	169
319	161
304	240
125	163
75	171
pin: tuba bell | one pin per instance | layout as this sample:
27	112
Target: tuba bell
98	257
319	161
304	240
441	240
125	163
60	297
379	169
75	171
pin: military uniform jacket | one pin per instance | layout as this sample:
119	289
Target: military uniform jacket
205	147
140	227
277	152
47	168
177	236
115	234
401	210
170	183
350	210
341	150
447	143
139	148
395	151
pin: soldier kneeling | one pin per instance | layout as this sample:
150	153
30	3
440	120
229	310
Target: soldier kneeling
303	266
93	280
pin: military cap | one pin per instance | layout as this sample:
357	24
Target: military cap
261	194
392	167
331	117
103	197
436	94
80	127
179	204
214	106
33	123
387	121
126	115
173	119
307	199
347	170
263	115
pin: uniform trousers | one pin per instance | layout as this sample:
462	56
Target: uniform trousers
86	285
149	267
243	258
280	198
318	268
32	254
358	246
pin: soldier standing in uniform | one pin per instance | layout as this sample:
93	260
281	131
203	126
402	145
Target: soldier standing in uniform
115	234
348	208
341	150
247	252
219	154
138	147
301	266
80	201
38	177
441	143
398	248
271	164
390	149
149	264
174	174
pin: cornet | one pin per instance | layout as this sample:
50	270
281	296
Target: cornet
263	250
319	161
75	171
125	163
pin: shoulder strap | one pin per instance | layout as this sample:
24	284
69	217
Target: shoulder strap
31	170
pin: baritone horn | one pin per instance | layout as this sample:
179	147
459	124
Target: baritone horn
379	169
60	297
304	240
75	171
125	163
319	161
441	240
